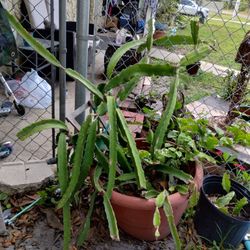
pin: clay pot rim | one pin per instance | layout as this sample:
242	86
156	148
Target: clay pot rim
141	203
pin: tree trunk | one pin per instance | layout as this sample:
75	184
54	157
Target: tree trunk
238	94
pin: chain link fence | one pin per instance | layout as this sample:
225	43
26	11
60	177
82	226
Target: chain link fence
30	78
216	73
207	93
209	88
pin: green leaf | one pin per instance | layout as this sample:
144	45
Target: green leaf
37	46
66	226
170	217
194	25
62	162
226	141
239	205
195	56
39	126
122	159
120	52
149	42
182	189
126	177
75	173
227	157
160	199
112	223
85	229
140	69
166	116
194	198
226	183
112	144
97	174
128	88
151	194
211	142
3	196
157	218
180	174
168	41
102	159
204	156
223	210
102	109
89	150
133	149
224	200
88	84
157	221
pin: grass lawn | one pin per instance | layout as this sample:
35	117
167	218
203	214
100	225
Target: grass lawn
227	35
193	87
228	17
204	84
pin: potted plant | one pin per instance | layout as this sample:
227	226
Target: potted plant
186	141
223	210
97	150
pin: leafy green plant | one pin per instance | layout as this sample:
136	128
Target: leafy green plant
98	149
5	200
228	203
230	84
243	177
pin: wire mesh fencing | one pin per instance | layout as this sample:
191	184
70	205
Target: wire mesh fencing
213	88
29	77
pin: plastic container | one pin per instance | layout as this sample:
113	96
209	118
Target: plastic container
213	225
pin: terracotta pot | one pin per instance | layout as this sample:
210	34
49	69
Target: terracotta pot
135	215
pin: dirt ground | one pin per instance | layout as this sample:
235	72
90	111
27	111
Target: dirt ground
41	229
42	236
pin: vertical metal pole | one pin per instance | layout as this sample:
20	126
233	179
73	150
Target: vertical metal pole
53	73
94	41
236	9
82	95
62	57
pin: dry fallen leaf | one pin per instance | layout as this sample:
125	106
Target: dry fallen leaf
23	201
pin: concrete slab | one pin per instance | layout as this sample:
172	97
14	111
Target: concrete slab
208	107
19	177
242	153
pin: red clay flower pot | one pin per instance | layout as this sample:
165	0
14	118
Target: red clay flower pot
135	215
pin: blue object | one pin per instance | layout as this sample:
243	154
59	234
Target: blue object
124	21
140	26
5	149
246	241
160	26
11	220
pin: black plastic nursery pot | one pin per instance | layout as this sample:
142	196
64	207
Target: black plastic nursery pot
213	225
193	69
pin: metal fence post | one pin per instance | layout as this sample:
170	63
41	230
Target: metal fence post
62	57
82	95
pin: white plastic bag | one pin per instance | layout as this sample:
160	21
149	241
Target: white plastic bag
32	91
